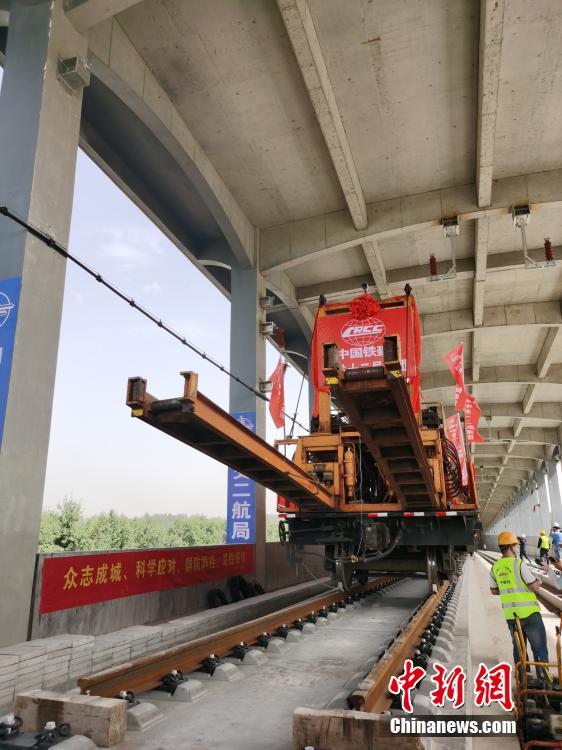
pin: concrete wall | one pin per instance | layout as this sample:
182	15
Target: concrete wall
279	573
157	606
530	511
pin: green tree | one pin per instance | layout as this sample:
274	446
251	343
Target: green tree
108	531
272	529
195	531
49	531
70	532
147	534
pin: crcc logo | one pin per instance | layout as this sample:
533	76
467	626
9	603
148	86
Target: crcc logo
363	332
6	308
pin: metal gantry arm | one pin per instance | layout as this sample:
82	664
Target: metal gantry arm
196	421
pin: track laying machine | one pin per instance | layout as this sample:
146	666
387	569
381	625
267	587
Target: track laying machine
377	481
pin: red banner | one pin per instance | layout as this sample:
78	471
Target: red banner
454	433
471	418
277	399
455	360
77	580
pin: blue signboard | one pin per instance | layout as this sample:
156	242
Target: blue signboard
9	301
241	496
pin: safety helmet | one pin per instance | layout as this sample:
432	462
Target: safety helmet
543	531
555	525
523	536
506	538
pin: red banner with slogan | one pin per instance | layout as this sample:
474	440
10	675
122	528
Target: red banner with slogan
471	418
455	360
77	580
454	432
277	398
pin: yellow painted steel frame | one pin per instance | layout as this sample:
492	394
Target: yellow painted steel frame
197	421
522	692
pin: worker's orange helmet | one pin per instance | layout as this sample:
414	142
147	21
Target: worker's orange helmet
506	538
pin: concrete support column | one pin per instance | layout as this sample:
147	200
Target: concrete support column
553	479
247	361
39	129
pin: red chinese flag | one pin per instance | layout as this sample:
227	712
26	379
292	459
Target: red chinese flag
471	418
277	400
455	360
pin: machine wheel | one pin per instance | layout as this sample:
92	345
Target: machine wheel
344	575
432	570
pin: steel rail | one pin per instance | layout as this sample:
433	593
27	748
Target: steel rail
373	695
147	672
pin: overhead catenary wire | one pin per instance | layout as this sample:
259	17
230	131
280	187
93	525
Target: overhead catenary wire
65	253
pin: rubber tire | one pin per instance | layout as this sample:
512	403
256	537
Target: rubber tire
216	598
246	588
239	588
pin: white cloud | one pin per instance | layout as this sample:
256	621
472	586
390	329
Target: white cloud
132	247
152	288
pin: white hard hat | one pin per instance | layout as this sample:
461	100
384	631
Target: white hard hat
523	536
555	525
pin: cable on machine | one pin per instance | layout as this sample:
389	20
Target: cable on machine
452	470
58	248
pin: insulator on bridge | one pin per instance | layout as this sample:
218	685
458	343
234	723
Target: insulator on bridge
432	265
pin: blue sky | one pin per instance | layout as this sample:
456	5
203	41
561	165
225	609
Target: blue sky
97	453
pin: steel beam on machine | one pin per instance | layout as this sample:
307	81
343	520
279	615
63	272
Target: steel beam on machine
196	421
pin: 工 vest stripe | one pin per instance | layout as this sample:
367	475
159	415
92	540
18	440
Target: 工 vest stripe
516	598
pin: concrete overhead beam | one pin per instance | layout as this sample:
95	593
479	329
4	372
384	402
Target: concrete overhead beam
527	452
537	435
296	242
481	239
476	343
302	33
517	427
546	411
529	398
491	35
418	276
282	286
493	472
509	484
501	376
374	258
117	64
87	13
545	357
541	314
486	463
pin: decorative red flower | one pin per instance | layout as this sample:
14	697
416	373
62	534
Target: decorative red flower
364	307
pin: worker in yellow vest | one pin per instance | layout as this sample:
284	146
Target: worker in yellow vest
513	581
544	546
